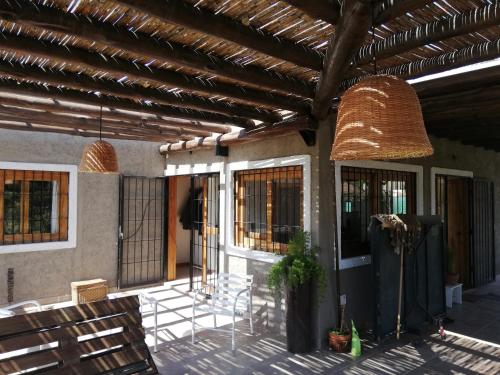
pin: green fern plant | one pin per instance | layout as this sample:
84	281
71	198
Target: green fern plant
297	267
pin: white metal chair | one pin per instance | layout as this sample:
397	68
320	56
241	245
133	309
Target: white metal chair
147	299
8	311
232	296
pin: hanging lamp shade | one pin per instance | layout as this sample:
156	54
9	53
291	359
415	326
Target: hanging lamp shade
99	157
380	118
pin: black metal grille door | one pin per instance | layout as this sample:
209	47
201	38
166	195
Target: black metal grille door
204	258
142	229
483	254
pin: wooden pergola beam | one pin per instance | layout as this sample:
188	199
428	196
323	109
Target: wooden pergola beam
326	10
135	92
160	77
418	68
445	28
25	13
391	9
49	119
282	128
113	115
349	34
205	21
32	89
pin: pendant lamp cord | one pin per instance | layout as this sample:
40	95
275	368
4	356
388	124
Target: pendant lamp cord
374	58
100	125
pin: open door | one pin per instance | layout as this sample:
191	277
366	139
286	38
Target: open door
204	257
483	235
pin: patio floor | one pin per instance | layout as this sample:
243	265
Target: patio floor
471	347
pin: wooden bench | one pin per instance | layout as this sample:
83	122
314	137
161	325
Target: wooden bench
94	338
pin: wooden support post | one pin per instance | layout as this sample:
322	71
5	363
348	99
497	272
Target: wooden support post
172	229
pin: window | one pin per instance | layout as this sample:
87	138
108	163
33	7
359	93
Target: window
33	206
268	207
366	192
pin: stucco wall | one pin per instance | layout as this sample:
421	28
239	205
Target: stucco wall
46	275
356	282
267	309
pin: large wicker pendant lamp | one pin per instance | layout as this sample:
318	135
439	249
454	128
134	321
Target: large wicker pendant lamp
380	118
100	156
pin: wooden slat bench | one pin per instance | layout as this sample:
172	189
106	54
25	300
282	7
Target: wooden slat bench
95	338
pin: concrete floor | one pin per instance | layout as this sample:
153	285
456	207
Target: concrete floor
472	345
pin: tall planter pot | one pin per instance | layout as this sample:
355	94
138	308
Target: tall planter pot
299	319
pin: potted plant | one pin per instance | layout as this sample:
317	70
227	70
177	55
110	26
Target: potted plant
340	339
452	275
299	274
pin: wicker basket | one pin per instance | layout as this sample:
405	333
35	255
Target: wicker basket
99	157
380	118
89	291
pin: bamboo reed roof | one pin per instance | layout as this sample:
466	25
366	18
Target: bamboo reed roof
177	70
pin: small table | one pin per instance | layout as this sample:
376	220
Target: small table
453	294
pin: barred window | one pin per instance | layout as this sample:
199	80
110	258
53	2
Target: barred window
268	207
366	192
33	206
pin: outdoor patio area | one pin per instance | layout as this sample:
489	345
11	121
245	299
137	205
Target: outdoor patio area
472	345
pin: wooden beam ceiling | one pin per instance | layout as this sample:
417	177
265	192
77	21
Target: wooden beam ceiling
445	28
391	9
23	12
25	88
134	92
113	115
349	34
205	21
123	68
326	10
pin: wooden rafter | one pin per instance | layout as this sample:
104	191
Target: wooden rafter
326	10
289	126
135	92
113	115
25	88
124	68
461	57
349	34
184	14
22	12
432	32
391	9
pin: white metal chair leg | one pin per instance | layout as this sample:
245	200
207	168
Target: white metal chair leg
251	319
233	340
155	306
192	326
215	320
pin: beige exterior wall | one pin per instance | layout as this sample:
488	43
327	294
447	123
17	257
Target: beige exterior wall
46	275
266	309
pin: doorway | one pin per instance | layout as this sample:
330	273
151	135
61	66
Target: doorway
193	229
466	206
452	204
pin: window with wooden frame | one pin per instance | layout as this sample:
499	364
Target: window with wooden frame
366	192
268	207
33	206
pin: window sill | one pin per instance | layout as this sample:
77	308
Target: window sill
261	256
355	262
41	246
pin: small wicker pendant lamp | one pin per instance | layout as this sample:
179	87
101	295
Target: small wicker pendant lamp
100	156
380	118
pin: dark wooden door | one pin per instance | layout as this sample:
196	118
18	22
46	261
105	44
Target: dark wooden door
483	237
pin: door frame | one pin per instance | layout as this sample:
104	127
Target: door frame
447	172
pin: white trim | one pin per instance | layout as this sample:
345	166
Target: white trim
72	207
304	161
446	172
418	169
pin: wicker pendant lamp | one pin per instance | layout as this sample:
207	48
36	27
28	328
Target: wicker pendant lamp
100	156
380	118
